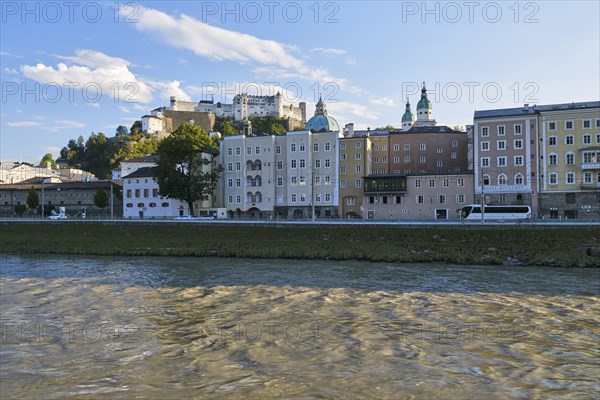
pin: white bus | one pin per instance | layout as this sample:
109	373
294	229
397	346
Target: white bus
472	212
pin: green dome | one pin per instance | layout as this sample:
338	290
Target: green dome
424	102
322	123
408	117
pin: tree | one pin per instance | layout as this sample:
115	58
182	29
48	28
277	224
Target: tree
458	128
101	199
183	171
225	126
47	161
121	131
136	127
389	128
33	200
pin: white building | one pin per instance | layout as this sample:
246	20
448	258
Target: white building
283	176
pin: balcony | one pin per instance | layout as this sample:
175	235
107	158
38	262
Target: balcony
385	184
590	165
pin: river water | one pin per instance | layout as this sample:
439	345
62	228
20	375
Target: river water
187	328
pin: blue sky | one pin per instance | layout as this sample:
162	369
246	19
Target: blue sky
72	68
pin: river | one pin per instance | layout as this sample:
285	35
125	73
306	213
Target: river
187	328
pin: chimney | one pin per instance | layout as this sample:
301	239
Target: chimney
526	107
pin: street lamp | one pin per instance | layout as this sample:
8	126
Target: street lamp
42	216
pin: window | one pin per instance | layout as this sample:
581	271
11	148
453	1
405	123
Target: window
129	205
552	159
455	143
280	165
501	161
569	125
518	144
230	167
358	169
230	182
342	170
485	162
316	146
432	183
327	197
317	197
293	147
598	137
553	178
301	147
238	151
518	179
384	148
342	183
238	182
441	199
420	199
501	130
552	126
140	205
357	156
460	182
278	149
552	141
407	147
570	178
137	192
238	166
327	146
317	180
280	181
343	157
502	180
501	144
569	139
446	182
485	131
384	160
397	159
357	145
303	180
375	147
294	198
327	180
146	192
406	159
384	199
453	155
396	147
460	199
302	163
257	150
518	130
165	204
229	151
587	139
375	160
248	151
358	183
570	159
485	146
440	150
294	180
518	160
417	183
128	193
327	163
587	124
439	164
422	147
598	123
398	199
351	201
587	177
302	198
342	146
317	163
154	192
294	164
422	159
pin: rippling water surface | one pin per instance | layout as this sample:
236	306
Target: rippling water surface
166	328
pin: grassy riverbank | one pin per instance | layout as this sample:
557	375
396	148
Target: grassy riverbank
528	245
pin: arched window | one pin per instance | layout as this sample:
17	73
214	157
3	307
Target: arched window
249	198
257	165
249	181
249	166
502	180
486	180
258	197
518	179
258	181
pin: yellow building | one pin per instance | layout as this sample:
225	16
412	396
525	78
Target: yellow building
569	148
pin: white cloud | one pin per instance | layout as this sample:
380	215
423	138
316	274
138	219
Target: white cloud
217	44
350	61
182	61
111	74
95	105
344	110
124	109
63	124
52	149
329	52
23	124
11	71
7	54
383	101
139	108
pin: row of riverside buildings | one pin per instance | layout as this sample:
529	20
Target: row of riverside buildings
544	156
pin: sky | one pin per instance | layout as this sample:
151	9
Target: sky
72	68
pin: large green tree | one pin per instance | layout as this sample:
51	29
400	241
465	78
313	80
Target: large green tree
33	200
47	161
184	169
